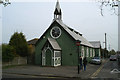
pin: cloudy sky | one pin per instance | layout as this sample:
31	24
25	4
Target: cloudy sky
33	18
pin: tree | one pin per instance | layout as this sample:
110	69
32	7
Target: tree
8	53
5	3
113	4
18	41
104	53
112	52
0	52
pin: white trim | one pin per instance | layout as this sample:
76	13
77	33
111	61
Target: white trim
82	52
44	55
99	53
43	58
91	52
52	35
87	55
57	58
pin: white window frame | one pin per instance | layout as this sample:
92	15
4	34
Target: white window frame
99	53
57	58
52	34
91	52
87	55
82	52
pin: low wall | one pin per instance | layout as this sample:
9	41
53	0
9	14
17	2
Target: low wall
16	61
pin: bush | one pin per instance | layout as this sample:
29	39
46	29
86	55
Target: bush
8	53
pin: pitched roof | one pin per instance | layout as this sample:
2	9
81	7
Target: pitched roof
33	41
76	35
54	44
96	44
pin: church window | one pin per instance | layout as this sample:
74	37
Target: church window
55	32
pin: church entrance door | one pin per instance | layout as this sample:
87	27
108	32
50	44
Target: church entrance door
48	58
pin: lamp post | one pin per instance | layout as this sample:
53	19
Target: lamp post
78	44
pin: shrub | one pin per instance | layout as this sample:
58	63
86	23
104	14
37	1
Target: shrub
8	53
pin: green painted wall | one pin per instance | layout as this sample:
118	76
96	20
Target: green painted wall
89	51
69	49
85	49
69	55
89	58
97	52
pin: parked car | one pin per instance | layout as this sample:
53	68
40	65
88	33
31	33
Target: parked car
118	57
96	60
113	58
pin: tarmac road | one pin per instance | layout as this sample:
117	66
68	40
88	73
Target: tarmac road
105	72
30	77
61	73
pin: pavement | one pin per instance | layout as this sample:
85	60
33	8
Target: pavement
61	71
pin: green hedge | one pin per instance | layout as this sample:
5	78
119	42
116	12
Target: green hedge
7	53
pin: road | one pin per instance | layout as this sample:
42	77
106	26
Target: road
105	71
93	72
29	77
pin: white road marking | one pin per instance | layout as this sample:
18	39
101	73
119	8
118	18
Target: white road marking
114	71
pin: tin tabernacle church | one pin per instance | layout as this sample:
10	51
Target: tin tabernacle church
57	45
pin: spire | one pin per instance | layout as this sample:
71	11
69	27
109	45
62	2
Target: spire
57	6
57	12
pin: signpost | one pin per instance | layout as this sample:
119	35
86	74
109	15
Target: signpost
78	44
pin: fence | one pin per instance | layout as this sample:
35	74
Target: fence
16	61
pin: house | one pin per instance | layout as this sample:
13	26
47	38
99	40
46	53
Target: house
97	48
31	56
57	45
32	42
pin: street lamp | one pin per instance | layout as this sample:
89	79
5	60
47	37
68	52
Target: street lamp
78	44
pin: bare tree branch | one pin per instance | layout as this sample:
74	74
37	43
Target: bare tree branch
5	3
109	3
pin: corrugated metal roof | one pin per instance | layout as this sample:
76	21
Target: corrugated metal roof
76	35
54	44
96	44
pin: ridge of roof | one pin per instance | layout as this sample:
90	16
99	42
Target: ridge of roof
95	41
74	33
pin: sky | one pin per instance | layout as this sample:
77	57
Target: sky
33	18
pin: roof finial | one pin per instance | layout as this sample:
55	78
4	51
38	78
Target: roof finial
57	6
57	12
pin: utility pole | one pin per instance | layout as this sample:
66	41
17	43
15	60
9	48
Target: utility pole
109	47
105	45
78	44
103	51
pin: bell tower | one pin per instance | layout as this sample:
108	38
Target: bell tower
57	12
